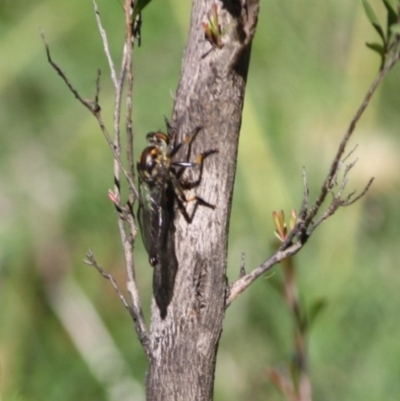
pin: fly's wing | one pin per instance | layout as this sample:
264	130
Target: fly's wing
153	216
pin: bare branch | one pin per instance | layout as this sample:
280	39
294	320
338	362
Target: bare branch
350	153
126	219
349	201
106	46
91	261
90	105
242	283
129	95
117	132
94	108
329	181
135	310
125	213
305	225
337	200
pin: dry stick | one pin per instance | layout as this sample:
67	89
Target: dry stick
337	201
129	43
127	235
242	283
129	96
106	46
342	147
140	327
288	248
118	86
95	109
91	261
92	106
349	201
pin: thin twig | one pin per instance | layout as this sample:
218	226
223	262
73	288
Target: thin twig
242	283
92	106
106	46
129	94
338	202
242	271
91	261
362	193
117	131
125	213
135	310
128	234
350	153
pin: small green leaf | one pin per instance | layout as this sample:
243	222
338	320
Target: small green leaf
370	13
377	47
391	6
395	29
373	19
391	15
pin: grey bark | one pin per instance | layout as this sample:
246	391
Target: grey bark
186	329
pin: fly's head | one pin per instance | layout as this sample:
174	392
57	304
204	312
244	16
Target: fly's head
160	140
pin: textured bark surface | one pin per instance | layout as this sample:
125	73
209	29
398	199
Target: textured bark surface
184	336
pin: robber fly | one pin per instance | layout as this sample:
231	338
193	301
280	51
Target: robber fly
160	183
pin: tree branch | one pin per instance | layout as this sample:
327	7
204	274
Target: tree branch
126	218
305	225
92	106
135	310
329	181
106	46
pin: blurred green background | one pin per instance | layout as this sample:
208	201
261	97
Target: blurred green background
64	334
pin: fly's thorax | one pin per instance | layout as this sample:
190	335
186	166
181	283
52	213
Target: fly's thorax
154	165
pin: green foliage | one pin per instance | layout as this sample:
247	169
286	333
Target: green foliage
392	29
373	19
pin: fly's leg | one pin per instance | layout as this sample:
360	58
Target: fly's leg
199	162
187	140
183	202
180	186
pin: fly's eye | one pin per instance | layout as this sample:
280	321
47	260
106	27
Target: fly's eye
151	158
147	163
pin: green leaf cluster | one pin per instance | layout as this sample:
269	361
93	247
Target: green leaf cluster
391	31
